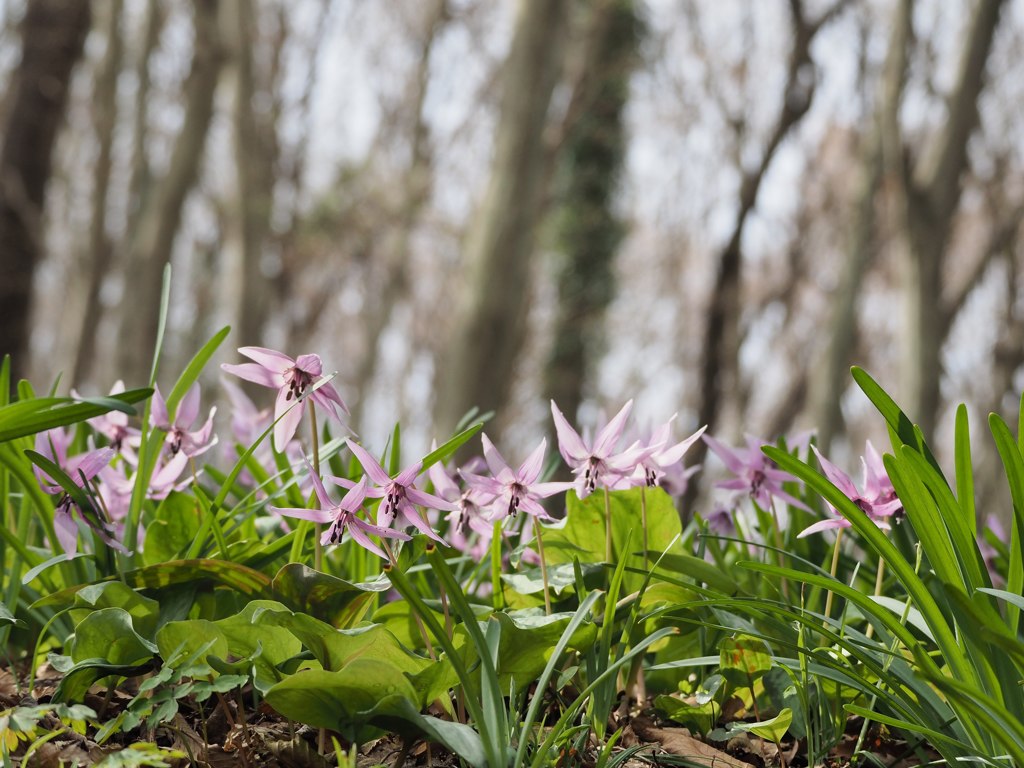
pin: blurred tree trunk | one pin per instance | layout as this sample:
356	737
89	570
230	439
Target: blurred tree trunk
720	349
589	229
160	216
500	246
932	194
833	372
52	34
243	291
100	246
394	279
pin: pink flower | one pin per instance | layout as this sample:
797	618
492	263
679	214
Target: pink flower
755	473
878	500
179	438
399	493
291	379
515	490
597	463
342	516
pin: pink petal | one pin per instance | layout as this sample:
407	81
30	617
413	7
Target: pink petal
495	462
838	478
409	474
675	454
609	436
188	409
730	456
424	499
570	444
313	515
158	411
318	486
369	464
445	486
824	525
408	513
66	530
310	364
364	541
354	498
273	361
254	373
289	415
530	469
543	490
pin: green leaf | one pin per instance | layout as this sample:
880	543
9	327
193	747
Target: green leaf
897	420
205	572
266	644
582	534
449	448
1013	465
144	612
197	639
336	601
83	675
528	639
964	469
109	634
28	417
173	528
7	617
743	659
343	700
699	718
561	578
193	369
773	729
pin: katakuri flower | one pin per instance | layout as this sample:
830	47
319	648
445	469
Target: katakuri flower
81	469
755	473
114	426
652	468
469	504
179	436
878	499
515	490
597	463
342	516
291	379
398	494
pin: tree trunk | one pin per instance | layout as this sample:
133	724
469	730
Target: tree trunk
500	246
160	217
53	32
98	261
932	197
590	231
243	289
394	256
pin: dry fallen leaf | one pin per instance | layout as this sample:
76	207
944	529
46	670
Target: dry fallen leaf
677	741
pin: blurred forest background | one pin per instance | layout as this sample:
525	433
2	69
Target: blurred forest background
714	207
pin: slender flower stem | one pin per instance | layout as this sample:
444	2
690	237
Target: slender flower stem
643	522
543	568
318	549
879	578
778	548
497	592
832	571
607	526
419	622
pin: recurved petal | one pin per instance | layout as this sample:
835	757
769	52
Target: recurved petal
838	478
188	408
254	373
530	469
609	436
369	464
824	525
272	360
570	444
158	410
313	515
495	462
311	364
